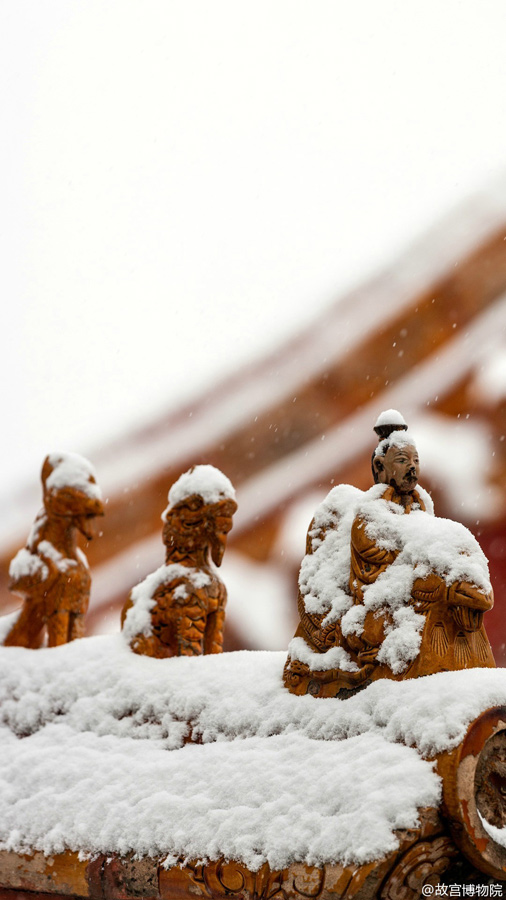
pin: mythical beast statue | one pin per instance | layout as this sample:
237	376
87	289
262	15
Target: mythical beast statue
51	573
179	610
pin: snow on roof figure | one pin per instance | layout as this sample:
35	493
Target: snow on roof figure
389	420
395	439
390	417
62	470
204	481
69	485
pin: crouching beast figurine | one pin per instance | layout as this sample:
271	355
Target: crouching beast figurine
51	573
179	610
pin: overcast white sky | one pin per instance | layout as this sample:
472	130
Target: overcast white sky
185	183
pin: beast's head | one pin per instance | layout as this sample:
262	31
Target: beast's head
199	515
70	490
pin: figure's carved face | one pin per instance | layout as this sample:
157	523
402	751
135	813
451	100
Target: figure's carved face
399	467
76	506
222	526
86	524
192	525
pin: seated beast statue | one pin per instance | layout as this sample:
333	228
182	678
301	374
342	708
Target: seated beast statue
179	610
51	573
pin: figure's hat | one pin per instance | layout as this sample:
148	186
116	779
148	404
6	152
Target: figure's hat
388	421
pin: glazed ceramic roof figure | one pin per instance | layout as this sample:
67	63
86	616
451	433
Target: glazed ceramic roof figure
387	590
179	610
51	573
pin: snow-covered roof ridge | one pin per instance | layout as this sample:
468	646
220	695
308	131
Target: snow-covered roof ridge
98	721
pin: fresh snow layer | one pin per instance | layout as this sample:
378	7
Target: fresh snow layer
390	417
138	617
396	439
86	731
26	563
205	481
73	470
334	657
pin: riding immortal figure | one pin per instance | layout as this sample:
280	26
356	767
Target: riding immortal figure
387	590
